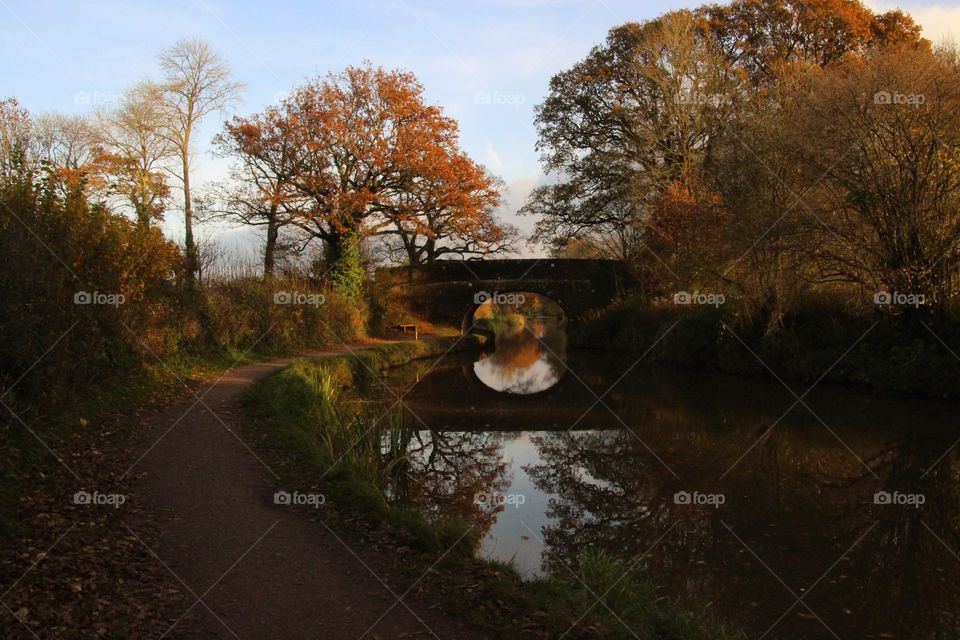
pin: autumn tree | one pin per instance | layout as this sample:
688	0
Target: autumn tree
880	137
763	250
644	114
196	82
262	188
450	211
363	138
639	113
764	37
354	155
134	150
757	249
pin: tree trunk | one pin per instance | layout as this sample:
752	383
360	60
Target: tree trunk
140	205
270	249
334	250
190	247
411	246
143	216
345	265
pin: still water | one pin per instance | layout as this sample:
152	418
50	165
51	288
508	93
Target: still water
837	516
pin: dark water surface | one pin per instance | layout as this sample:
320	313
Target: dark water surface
834	516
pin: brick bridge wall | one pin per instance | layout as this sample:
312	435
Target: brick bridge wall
446	292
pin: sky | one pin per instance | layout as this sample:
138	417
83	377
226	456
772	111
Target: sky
487	63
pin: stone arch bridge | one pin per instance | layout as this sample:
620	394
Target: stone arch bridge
449	291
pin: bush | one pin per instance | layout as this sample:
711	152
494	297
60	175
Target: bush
245	312
897	354
80	286
89	297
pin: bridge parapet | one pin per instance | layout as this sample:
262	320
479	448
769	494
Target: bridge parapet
528	268
448	291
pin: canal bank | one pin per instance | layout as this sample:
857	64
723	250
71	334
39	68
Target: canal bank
362	454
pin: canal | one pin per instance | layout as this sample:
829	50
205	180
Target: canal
836	515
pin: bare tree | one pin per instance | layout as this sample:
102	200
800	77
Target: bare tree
134	150
65	148
210	253
15	131
64	141
196	82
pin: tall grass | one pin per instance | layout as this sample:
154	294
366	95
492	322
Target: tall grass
357	448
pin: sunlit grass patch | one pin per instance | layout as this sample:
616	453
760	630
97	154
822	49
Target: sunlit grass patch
307	414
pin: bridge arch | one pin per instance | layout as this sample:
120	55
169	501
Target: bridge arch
448	291
506	297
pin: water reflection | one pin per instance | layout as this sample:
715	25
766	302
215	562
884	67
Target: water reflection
445	472
466	476
530	344
799	518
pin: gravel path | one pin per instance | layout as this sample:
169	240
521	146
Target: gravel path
255	569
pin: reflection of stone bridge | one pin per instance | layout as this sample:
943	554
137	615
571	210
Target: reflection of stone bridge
470	405
449	291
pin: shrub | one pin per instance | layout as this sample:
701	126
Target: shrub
60	255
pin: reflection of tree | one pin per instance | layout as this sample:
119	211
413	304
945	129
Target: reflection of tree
907	573
445	471
609	497
530	344
799	501
521	304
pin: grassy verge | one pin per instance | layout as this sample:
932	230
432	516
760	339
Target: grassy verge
321	435
303	413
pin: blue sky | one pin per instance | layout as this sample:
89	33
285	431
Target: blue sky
486	63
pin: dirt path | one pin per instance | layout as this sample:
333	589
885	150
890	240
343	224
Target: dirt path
255	569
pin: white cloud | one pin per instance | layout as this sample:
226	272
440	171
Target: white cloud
515	195
491	159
